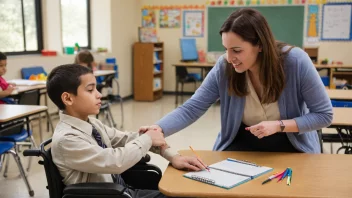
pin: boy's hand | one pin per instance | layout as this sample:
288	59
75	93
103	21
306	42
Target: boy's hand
9	89
187	162
157	137
144	129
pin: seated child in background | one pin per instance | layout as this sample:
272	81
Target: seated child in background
5	88
85	58
84	149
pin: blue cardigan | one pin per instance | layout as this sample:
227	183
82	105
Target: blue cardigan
304	99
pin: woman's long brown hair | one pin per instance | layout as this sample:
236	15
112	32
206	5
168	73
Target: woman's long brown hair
252	27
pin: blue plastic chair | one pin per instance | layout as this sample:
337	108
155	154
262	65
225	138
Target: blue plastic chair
335	103
6	148
15	133
28	71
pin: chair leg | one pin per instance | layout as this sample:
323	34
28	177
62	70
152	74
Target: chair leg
176	93
34	145
50	121
20	167
2	158
40	128
112	121
47	115
109	118
122	115
182	92
6	166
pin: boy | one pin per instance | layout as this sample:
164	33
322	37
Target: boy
5	88
85	150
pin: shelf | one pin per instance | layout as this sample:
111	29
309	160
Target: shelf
157	73
159	89
156	49
157	62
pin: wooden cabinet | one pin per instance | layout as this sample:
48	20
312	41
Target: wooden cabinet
148	71
312	53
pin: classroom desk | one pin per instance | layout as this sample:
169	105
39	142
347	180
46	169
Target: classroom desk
332	70
22	88
340	94
104	73
342	122
314	175
14	112
200	65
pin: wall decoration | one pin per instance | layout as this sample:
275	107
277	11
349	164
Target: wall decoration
170	18
193	23
148	18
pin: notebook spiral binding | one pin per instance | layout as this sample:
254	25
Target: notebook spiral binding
203	179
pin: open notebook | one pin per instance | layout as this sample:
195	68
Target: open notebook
229	173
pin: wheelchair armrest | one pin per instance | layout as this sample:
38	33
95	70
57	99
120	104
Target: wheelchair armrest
94	189
144	160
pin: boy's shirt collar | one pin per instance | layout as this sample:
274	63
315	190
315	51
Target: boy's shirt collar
83	126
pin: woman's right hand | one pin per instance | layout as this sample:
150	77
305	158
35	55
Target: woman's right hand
157	137
144	129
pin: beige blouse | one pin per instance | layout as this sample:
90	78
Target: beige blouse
254	111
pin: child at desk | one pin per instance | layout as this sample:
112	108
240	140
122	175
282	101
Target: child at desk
5	88
85	58
86	150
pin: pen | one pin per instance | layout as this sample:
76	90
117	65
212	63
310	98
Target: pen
199	158
270	178
288	177
284	175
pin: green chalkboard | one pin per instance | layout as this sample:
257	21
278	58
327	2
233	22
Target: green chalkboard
286	22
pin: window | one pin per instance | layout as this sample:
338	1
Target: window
75	21
20	27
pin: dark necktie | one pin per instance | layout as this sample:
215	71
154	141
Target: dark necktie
116	177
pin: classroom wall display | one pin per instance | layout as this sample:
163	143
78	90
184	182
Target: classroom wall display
170	18
312	22
148	18
193	23
336	23
147	35
183	7
214	3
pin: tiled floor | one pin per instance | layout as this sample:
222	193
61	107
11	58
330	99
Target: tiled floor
201	135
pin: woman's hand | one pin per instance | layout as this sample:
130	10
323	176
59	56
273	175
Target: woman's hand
144	129
187	162
264	128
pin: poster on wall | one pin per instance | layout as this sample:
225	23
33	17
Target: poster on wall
148	18
337	22
312	34
193	23
170	18
147	34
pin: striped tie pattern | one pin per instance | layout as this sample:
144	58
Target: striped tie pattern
116	177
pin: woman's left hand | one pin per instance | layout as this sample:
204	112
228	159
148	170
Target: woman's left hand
264	128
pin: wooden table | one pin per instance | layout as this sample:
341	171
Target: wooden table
14	112
340	94
314	175
332	70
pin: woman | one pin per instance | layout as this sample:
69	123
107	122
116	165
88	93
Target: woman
272	98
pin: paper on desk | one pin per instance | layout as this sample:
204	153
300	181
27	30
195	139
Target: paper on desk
20	82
